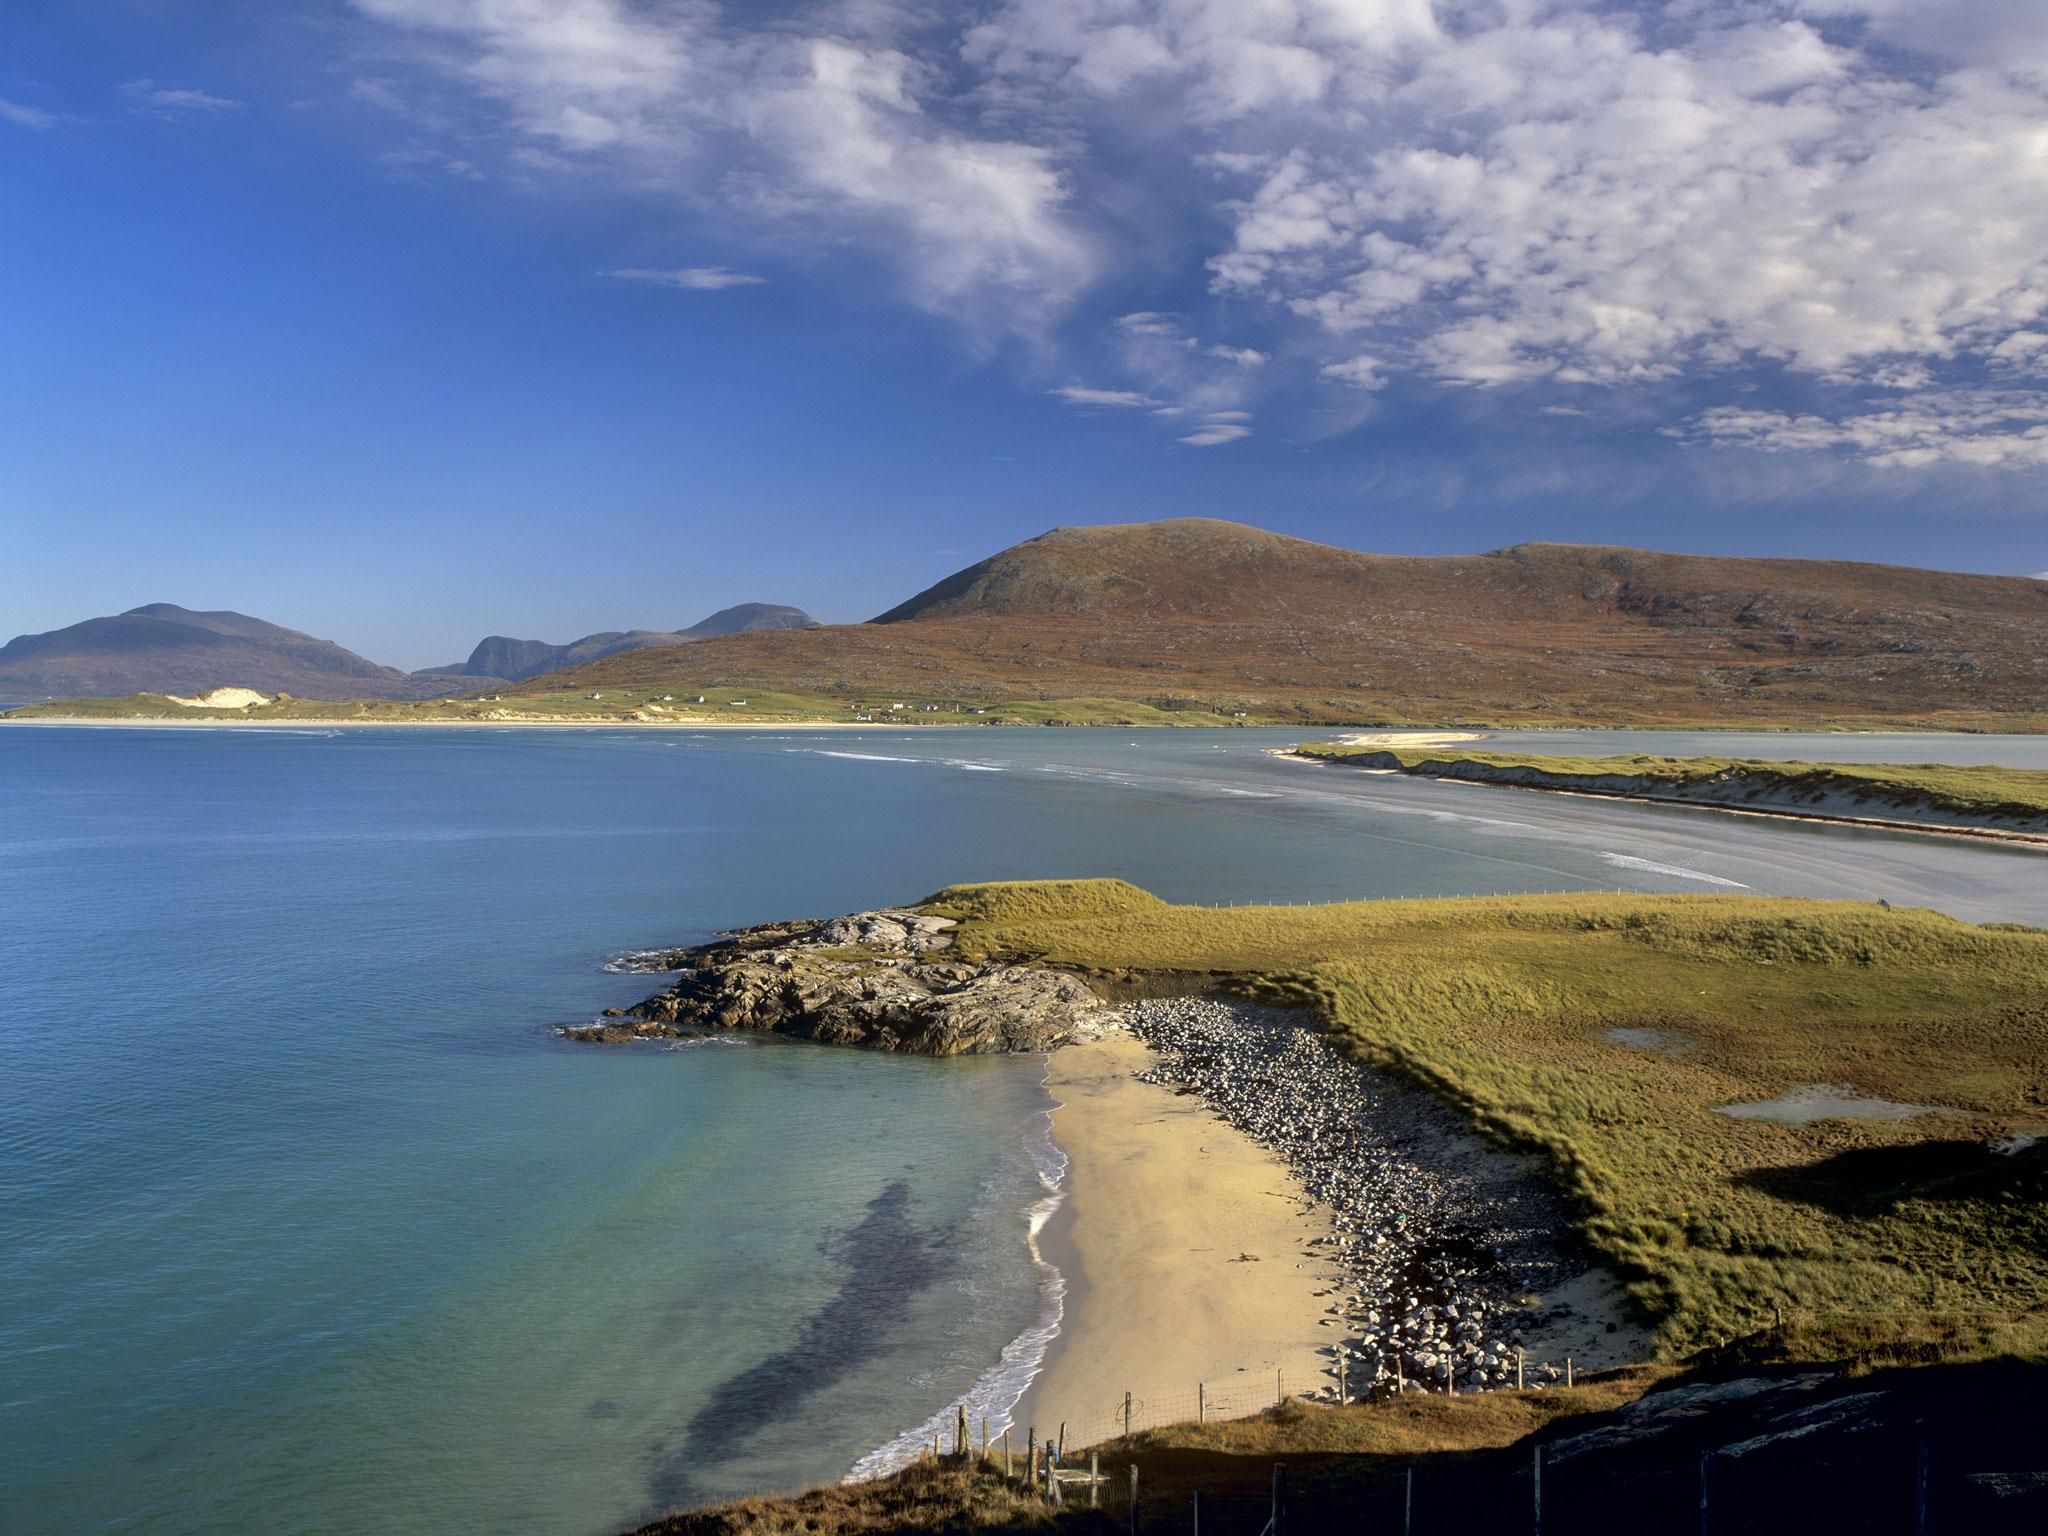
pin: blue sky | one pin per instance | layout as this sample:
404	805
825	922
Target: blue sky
406	321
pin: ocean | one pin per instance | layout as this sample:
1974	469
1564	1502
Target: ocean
310	1223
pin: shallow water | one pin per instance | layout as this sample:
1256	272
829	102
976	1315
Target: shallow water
309	1223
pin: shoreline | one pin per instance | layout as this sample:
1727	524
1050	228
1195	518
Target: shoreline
1187	1251
2009	836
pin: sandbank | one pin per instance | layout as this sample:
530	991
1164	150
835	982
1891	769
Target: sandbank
1185	1250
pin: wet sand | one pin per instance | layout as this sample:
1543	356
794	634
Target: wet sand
1185	1250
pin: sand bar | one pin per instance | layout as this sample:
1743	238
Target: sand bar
1185	1250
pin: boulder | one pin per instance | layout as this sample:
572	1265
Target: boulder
878	980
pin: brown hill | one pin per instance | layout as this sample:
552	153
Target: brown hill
1240	618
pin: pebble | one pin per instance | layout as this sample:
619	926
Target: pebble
1433	1252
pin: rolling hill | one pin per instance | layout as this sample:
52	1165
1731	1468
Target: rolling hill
1193	613
162	648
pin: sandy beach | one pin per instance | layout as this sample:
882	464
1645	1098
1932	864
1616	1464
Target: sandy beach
1185	1249
1410	738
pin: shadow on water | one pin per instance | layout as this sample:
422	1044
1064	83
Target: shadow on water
1874	1181
888	1259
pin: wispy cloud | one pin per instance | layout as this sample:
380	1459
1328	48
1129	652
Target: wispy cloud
1082	394
22	115
1223	427
1576	200
701	279
175	101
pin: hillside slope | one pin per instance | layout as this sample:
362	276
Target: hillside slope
1198	610
162	648
501	657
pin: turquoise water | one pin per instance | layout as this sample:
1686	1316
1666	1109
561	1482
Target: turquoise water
309	1222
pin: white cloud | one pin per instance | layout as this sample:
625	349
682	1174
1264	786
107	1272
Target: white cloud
1216	431
173	101
1986	429
695	278
23	115
1081	394
1553	196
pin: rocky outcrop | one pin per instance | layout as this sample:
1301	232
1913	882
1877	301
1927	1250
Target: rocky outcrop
884	981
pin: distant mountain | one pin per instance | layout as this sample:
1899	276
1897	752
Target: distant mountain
1237	617
162	648
502	658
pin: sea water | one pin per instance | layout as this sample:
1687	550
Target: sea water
310	1222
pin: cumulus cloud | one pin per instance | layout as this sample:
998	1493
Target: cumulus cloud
700	279
1217	430
1557	197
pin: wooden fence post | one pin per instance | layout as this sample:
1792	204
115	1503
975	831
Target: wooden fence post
1519	1383
1279	1388
1006	1454
1134	1499
1063	1441
962	1446
1343	1375
1127	1422
1094	1477
984	1437
1201	1403
1031	1458
1568	1381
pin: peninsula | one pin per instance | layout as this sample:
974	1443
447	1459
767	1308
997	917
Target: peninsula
2006	803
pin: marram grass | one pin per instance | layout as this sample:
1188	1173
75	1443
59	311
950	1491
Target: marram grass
1908	1231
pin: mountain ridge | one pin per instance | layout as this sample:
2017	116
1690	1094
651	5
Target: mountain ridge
1236	616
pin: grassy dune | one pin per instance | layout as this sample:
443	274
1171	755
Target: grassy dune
1973	792
1868	1233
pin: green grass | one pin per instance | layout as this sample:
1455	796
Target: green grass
1977	792
1906	1230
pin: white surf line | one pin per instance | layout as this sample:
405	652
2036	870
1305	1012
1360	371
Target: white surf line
1650	866
998	1390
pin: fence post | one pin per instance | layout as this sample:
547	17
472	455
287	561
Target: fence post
1343	1375
1063	1440
1536	1490
1094	1477
1408	1502
1279	1388
1134	1499
962	1446
1518	1368
1127	1424
1198	1512
1279	1496
1006	1454
1201	1403
1031	1458
1568	1379
984	1437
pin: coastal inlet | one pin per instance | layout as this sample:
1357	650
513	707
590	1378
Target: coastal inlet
1457	1272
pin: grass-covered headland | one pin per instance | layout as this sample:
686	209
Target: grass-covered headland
1608	1032
1905	1253
1931	793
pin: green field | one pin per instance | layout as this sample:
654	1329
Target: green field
1863	1231
1975	792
